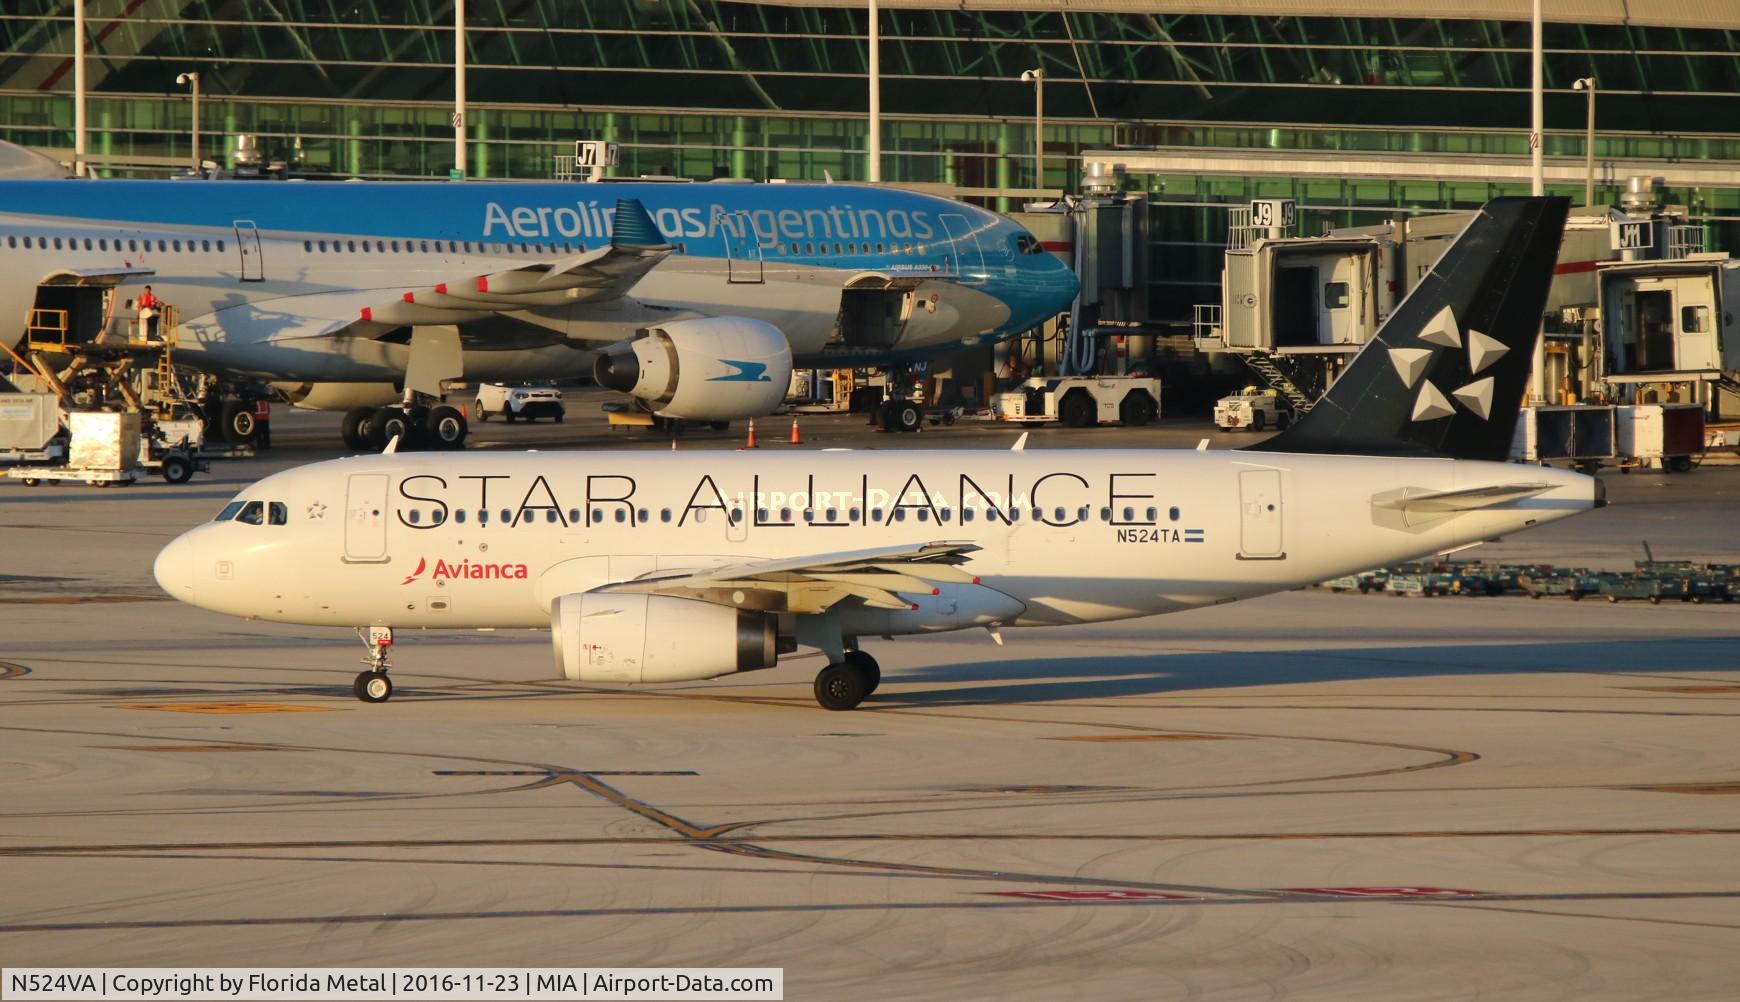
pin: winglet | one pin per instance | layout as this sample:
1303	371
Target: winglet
1020	444
634	228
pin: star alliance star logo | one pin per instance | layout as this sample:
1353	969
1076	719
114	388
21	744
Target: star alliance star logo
1411	364
317	510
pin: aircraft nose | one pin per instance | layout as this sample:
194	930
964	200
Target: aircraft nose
1068	279
174	568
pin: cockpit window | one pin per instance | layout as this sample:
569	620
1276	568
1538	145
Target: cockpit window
279	513
1026	243
252	513
229	511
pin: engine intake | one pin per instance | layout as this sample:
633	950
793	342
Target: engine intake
705	369
628	637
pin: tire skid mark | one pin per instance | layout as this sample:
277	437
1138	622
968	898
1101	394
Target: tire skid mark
874	906
722	839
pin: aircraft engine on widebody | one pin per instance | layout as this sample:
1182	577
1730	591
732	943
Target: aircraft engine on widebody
704	369
629	637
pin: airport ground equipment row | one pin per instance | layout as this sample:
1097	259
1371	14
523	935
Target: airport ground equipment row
1652	581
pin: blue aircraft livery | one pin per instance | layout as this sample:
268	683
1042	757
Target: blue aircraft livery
348	294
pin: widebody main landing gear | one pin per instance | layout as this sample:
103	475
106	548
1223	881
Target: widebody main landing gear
844	684
373	686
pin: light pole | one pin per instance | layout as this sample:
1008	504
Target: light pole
1588	84
458	171
875	93
1037	79
185	79
80	169
1537	126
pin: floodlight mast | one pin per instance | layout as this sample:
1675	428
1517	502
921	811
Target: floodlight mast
1036	77
1587	84
193	78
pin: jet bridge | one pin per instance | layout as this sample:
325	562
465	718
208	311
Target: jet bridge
1671	331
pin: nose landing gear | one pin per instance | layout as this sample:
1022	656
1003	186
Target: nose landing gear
373	686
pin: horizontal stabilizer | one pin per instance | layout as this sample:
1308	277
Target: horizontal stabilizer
1469	499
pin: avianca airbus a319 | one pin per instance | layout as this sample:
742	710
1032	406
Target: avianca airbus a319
653	567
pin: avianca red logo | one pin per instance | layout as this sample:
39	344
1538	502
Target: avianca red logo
466	570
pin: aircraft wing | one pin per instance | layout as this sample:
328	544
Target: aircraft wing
877	577
597	275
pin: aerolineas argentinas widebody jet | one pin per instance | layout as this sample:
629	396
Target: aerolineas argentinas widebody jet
692	298
655	567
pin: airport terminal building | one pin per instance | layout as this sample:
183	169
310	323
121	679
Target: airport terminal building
1359	110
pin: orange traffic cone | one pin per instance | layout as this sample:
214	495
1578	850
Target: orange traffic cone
795	440
751	443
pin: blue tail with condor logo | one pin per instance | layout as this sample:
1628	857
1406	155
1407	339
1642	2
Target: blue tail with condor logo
1447	373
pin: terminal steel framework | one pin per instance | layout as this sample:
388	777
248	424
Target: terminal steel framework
702	88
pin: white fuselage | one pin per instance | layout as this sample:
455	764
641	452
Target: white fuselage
490	540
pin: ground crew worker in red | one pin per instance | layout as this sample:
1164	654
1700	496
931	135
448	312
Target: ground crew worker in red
148	310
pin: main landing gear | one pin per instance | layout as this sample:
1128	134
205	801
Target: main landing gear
441	426
844	684
373	686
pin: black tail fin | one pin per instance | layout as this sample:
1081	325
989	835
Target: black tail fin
1446	374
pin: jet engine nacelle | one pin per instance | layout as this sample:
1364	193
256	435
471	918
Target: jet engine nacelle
627	637
338	396
705	369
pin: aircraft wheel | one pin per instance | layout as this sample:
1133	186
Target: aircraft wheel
901	415
350	429
841	686
446	428
372	430
177	469
866	664
238	422
372	687
397	423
